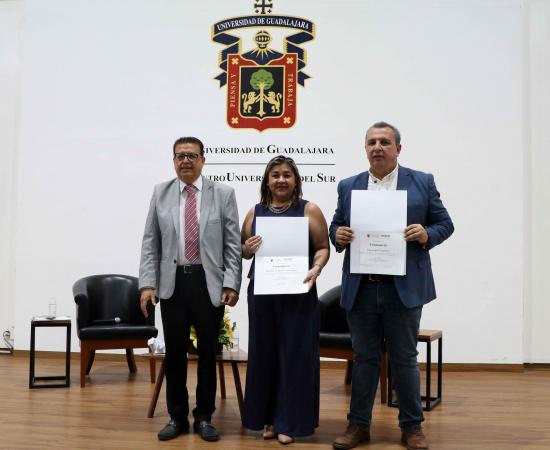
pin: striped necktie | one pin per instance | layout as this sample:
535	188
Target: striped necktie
191	225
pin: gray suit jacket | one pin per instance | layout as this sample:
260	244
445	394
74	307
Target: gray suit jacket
220	240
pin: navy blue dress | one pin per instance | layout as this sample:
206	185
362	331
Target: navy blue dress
282	379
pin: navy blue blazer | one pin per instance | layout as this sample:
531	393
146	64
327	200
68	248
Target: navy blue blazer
424	207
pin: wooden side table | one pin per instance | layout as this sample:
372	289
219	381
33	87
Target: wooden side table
231	357
56	322
426	336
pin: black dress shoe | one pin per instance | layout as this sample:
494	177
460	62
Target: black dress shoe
206	430
173	429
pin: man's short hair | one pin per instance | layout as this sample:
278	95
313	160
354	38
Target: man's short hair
382	124
188	140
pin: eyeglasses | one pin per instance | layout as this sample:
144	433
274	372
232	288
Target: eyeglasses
180	157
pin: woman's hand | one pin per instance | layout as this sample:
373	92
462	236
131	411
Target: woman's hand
312	275
251	246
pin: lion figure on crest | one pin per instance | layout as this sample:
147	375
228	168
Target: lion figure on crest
275	101
248	100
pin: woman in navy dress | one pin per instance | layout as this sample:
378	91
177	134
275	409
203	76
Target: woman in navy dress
282	380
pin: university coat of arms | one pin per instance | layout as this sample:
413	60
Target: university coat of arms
262	82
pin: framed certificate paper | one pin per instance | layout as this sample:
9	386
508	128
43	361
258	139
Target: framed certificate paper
282	261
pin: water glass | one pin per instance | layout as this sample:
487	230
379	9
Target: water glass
52	307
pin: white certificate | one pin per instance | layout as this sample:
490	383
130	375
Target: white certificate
378	221
282	261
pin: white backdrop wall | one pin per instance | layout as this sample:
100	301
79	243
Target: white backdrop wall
9	66
106	87
537	283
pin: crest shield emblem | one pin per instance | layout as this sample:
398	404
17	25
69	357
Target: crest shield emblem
262	82
261	96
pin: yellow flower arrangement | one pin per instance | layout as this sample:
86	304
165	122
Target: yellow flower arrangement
225	337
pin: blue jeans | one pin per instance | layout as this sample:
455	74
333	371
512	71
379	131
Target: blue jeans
377	316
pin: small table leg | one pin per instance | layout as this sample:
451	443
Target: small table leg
440	369
152	369
222	379
429	376
238	387
156	392
32	356
68	357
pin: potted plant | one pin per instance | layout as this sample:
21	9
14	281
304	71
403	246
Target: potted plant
225	336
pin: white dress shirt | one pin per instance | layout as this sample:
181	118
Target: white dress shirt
388	183
183	196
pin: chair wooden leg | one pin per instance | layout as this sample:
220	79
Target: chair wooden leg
152	369
384	378
84	362
131	361
91	357
349	370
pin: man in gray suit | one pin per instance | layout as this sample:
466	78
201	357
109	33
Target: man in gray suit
191	260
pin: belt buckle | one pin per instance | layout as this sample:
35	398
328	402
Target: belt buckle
373	277
187	268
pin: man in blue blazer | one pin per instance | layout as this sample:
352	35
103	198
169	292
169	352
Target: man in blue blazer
386	307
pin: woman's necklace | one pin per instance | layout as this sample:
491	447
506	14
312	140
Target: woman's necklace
279	209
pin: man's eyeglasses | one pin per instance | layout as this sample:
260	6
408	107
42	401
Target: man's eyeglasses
190	156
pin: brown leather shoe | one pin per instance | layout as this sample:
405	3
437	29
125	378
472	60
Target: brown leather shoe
354	435
413	437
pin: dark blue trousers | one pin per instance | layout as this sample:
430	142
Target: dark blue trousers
377	316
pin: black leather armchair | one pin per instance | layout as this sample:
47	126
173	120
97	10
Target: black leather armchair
108	316
335	338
